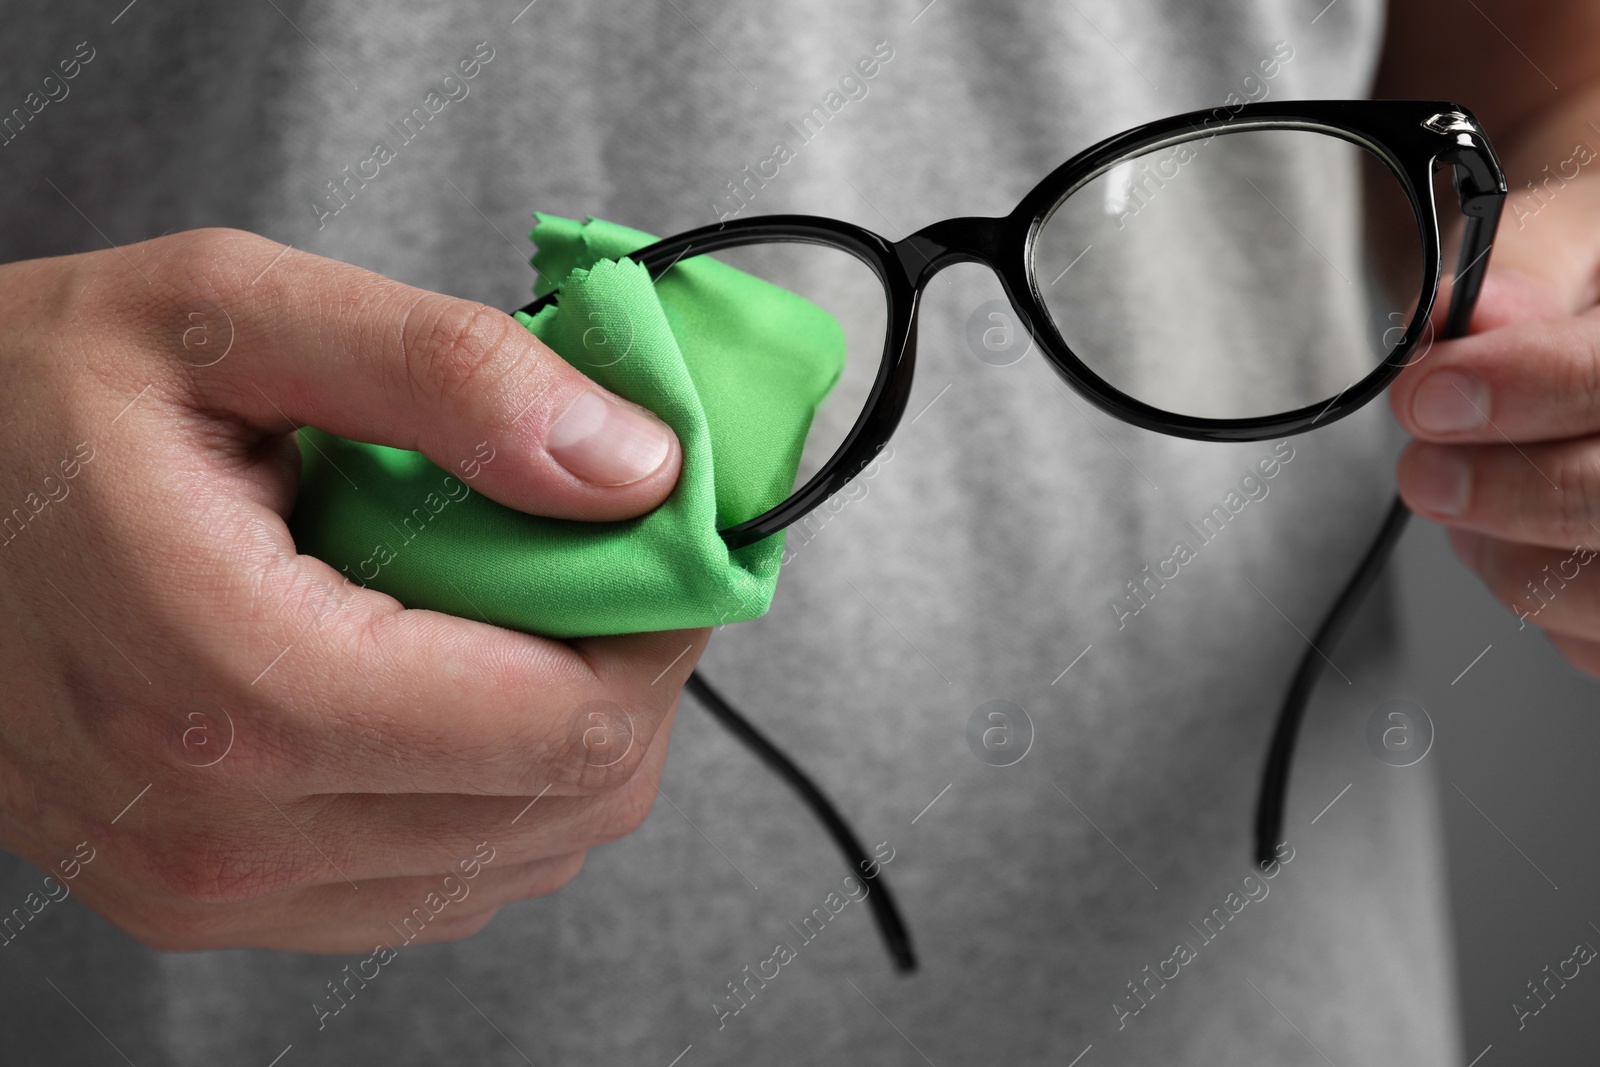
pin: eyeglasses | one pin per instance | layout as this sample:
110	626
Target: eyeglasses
1237	274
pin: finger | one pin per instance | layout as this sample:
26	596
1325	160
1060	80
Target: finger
381	901
450	705
1533	381
1539	494
1514	292
345	917
377	699
329	940
334	688
421	909
322	343
1507	296
1554	589
344	840
522	828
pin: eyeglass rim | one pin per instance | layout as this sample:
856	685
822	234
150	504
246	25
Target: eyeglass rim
1412	137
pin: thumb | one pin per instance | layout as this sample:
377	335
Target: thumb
323	343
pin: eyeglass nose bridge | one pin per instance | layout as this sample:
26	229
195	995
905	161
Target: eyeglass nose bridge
970	239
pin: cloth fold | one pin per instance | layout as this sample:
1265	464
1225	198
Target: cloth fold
734	364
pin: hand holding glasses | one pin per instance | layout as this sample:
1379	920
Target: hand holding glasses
1318	226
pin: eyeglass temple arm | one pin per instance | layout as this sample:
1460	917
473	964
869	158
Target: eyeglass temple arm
1482	190
896	938
1275	777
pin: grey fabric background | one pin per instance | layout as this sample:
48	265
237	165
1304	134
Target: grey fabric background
977	567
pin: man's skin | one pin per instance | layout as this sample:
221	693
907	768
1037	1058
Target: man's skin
1508	419
370	748
156	592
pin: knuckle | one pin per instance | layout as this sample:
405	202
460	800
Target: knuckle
597	770
550	876
1580	380
606	744
215	243
196	872
456	349
624	811
201	870
566	869
214	259
590	779
596	748
1576	475
197	276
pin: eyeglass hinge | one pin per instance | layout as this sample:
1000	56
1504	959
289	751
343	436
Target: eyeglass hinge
1448	122
1478	180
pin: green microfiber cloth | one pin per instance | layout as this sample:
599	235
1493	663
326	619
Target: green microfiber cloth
735	365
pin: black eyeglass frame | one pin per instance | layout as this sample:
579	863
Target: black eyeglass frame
1411	137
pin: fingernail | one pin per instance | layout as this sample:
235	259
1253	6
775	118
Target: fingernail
1441	481
607	443
1449	401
